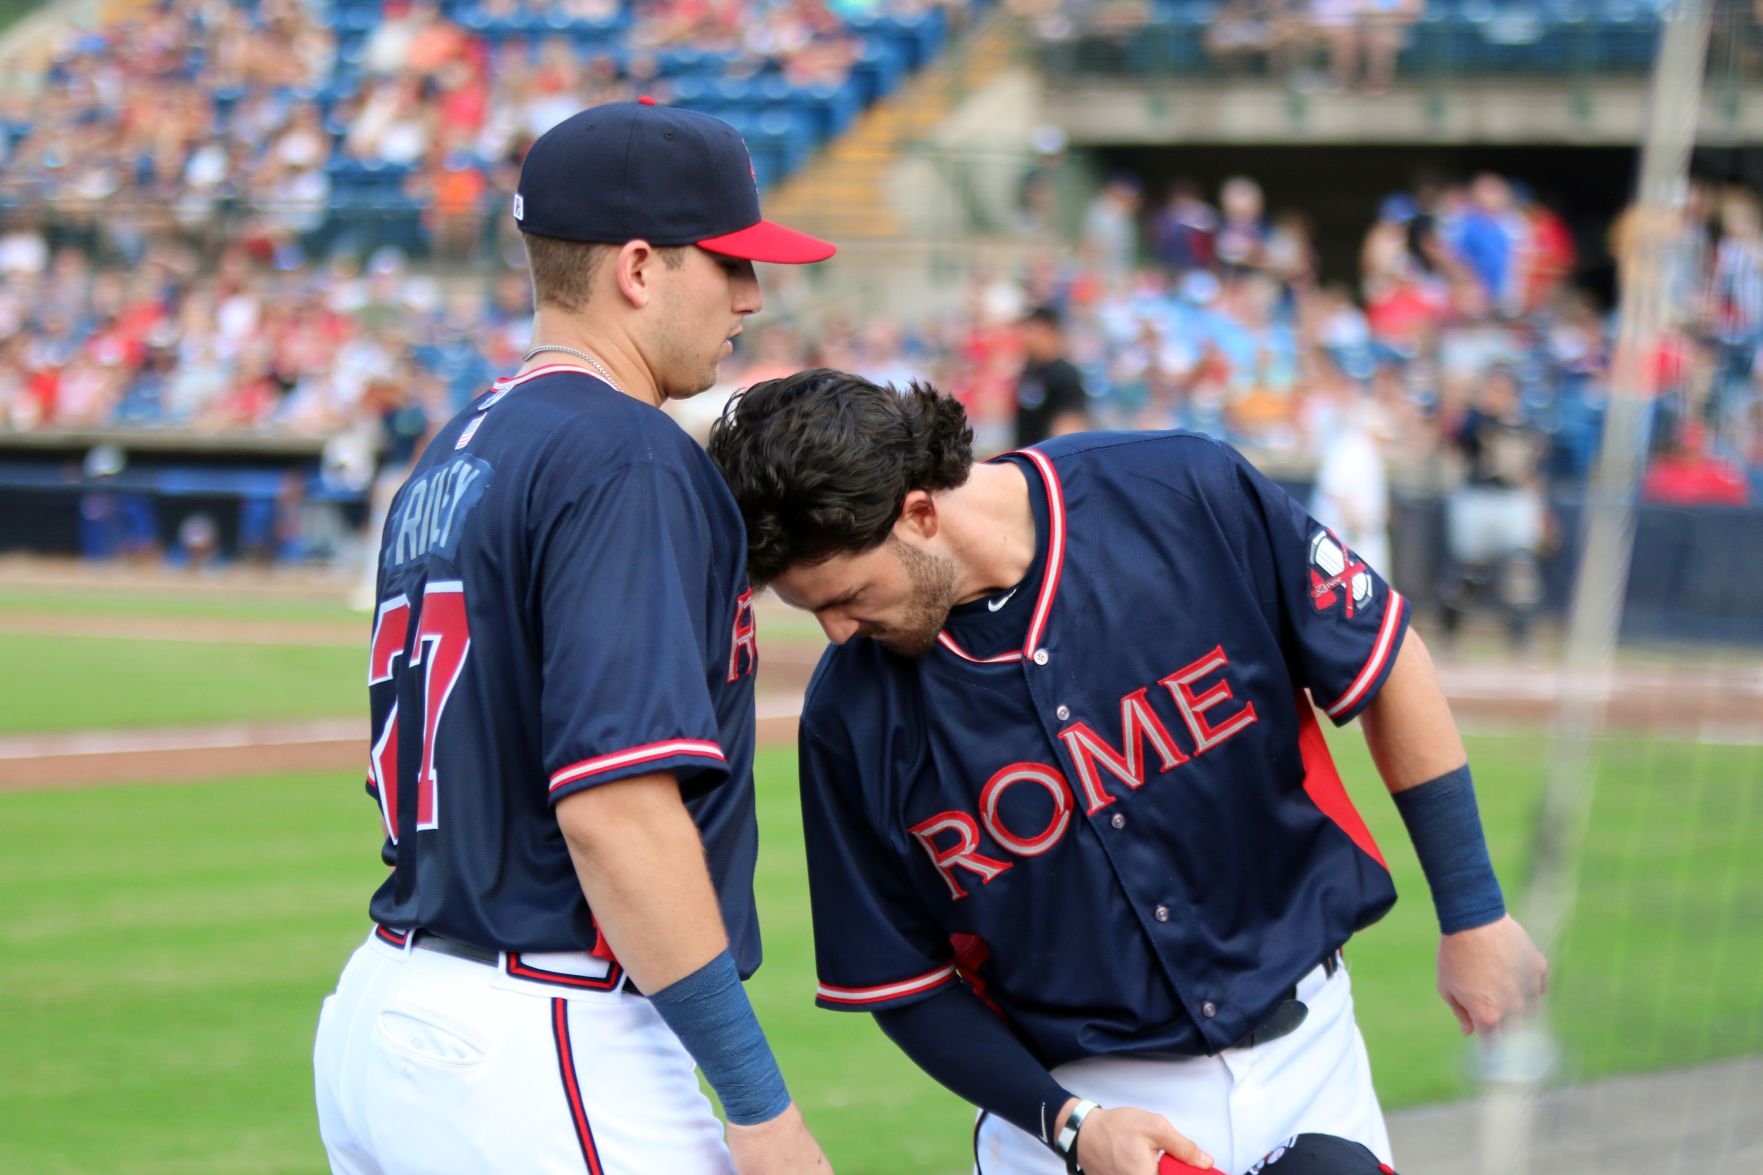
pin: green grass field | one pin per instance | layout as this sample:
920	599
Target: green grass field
170	602
13	11
165	947
95	683
165	950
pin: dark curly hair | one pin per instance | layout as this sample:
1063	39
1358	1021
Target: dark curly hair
821	462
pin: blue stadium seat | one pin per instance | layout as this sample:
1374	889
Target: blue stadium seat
225	98
1625	35
735	93
1170	41
686	61
784	135
693	92
879	68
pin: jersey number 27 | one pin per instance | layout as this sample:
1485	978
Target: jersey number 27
443	639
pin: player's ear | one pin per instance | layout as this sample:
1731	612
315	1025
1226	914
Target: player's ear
633	271
918	516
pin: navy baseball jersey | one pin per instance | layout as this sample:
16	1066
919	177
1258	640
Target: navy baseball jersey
1103	799
562	603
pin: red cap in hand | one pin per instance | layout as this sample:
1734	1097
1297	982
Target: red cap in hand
1170	1165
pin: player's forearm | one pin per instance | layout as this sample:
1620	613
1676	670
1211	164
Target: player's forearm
957	1040
1408	725
641	865
1420	755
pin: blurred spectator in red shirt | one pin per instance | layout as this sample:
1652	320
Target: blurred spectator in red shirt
1547	254
1686	474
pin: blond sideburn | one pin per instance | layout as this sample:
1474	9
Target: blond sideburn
563	271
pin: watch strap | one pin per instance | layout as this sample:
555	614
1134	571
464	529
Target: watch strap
1065	1145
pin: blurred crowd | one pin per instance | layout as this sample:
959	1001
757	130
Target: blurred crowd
1199	310
249	347
221	119
1210	313
1337	44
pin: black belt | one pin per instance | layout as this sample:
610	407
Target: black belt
1288	1013
423	940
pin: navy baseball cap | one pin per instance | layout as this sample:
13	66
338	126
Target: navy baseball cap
635	170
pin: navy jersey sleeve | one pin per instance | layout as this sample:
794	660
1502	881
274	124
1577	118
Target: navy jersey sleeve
1342	624
621	568
875	945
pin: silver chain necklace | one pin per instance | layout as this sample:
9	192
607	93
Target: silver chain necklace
582	355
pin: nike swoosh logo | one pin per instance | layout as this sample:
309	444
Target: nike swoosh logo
994	605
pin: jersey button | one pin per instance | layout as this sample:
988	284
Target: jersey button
1161	913
1208	1009
1119	821
1040	656
1063	713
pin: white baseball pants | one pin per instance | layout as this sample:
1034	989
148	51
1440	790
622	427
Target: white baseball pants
1238	1105
434	1064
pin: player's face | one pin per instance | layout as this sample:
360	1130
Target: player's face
898	594
707	299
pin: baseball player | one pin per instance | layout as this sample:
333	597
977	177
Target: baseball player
561	678
1074	835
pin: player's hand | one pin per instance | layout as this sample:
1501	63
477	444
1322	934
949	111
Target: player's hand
781	1146
1491	974
1122	1140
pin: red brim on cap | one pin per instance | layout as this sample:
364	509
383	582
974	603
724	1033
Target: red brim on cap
771	242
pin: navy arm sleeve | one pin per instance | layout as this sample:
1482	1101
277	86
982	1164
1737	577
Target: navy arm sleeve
972	1053
623	605
1342	624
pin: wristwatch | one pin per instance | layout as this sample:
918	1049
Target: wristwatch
1065	1146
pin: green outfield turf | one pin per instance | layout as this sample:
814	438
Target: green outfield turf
174	601
13	11
96	683
165	949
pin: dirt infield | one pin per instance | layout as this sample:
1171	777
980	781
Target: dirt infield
1703	705
1713	700
1702	1119
203	630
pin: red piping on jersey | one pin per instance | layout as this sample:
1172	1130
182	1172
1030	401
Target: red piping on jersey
886	991
948	642
387	934
1380	653
1322	783
571	1087
1055	550
514	381
646	753
1037	626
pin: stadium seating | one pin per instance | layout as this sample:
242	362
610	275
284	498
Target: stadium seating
786	118
1448	38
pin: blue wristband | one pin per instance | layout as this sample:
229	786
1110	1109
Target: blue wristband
1445	827
709	1012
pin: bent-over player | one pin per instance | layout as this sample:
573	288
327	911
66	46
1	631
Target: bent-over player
1074	835
562	700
